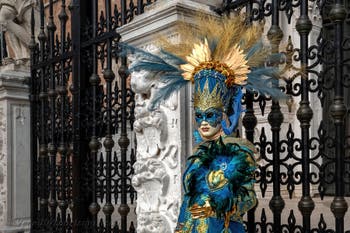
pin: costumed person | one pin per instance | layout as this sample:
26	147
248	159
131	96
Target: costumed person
220	58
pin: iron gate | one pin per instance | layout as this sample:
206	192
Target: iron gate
313	72
82	116
79	103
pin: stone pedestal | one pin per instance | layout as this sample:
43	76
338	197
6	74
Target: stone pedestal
15	174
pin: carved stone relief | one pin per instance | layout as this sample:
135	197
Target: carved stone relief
3	169
15	18
157	158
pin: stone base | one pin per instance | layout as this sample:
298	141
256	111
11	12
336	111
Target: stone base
15	163
15	65
12	229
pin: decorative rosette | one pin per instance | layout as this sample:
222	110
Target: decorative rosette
233	66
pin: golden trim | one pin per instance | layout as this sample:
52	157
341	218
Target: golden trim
205	99
216	180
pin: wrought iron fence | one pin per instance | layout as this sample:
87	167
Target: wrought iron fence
81	118
312	69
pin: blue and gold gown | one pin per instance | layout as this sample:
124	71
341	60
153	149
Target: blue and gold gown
218	184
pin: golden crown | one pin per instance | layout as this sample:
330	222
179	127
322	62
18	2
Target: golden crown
205	99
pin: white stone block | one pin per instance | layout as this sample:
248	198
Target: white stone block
15	174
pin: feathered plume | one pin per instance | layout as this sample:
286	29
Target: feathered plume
231	42
226	45
164	65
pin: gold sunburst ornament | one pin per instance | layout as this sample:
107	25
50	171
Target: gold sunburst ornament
233	66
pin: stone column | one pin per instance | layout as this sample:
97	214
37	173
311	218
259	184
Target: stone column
164	136
15	174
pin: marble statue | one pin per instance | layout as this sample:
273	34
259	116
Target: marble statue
15	20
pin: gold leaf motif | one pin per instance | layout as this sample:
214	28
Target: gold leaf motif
206	99
216	179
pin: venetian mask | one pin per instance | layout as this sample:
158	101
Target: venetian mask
208	122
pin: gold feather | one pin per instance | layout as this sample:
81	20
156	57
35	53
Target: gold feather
224	40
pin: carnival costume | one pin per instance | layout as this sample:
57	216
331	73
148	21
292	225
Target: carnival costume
220	58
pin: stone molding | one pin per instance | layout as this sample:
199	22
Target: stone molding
160	18
15	163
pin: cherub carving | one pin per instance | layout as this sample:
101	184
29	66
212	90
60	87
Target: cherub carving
15	19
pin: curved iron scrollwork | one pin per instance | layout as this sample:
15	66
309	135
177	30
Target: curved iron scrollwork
82	118
303	158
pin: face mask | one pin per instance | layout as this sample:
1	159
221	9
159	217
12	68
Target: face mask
211	115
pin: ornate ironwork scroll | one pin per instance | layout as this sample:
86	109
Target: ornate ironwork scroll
297	159
81	106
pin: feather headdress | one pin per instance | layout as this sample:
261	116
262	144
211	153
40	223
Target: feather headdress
218	55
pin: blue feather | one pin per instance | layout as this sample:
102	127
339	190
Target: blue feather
128	49
237	110
197	137
264	80
171	58
165	92
171	77
256	47
213	43
152	66
164	65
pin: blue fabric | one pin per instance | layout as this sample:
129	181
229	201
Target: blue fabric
236	109
197	137
231	189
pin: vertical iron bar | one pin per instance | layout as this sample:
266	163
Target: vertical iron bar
139	7
249	123
249	8
275	119
51	27
123	12
76	89
63	147
276	204
123	142
338	111
42	139
33	120
306	204
94	80
108	143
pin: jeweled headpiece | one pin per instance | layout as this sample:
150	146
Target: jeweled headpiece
220	57
205	98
